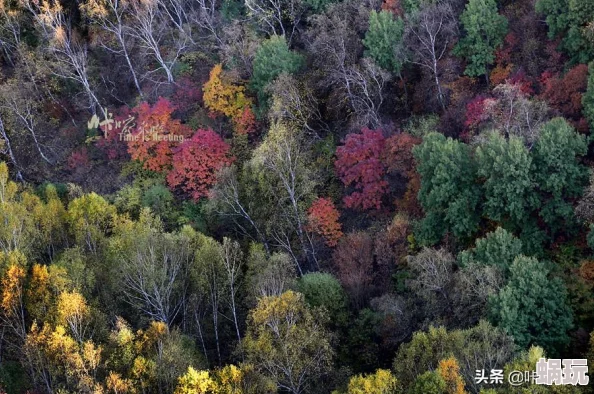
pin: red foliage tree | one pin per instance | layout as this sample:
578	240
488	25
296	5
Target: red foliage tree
79	158
187	95
353	263
196	162
155	135
323	220
359	166
398	159
475	112
246	122
564	93
393	6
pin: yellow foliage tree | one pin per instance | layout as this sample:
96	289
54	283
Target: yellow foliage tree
449	370
381	382
223	96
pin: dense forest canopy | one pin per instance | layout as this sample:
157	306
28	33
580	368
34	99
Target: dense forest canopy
294	196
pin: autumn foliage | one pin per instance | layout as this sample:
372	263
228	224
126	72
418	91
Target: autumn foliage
359	166
323	220
196	161
222	96
564	93
156	135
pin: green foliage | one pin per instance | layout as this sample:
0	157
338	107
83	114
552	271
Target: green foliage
474	348
485	29
568	19
588	97
498	249
505	167
324	290
533	308
557	171
429	383
449	193
272	59
384	35
319	6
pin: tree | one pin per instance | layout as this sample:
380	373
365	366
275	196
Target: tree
151	266
288	342
277	17
449	194
433	278
322	289
269	276
358	164
557	171
353	262
381	40
380	382
564	93
505	166
221	95
323	219
156	135
449	370
272	59
533	308
90	217
110	16
196	162
484	32
588	97
428	35
285	174
498	248
479	347
429	382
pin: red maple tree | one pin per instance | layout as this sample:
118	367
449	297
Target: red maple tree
156	135
323	220
359	166
196	162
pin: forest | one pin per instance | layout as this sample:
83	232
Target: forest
295	196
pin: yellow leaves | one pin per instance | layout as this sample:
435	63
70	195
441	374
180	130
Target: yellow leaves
116	384
38	292
73	311
381	382
12	289
94	9
221	95
449	370
195	382
8	188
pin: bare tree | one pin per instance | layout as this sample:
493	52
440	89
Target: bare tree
282	159
20	104
69	51
233	262
428	34
152	273
110	16
226	200
150	26
6	148
337	48
277	17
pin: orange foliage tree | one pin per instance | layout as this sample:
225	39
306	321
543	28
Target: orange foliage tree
196	162
323	220
155	135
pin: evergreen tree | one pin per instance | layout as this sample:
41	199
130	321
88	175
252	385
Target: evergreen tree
384	35
533	308
485	30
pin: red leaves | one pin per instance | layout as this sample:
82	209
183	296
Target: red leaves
364	159
323	220
156	135
475	112
196	161
359	165
565	93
